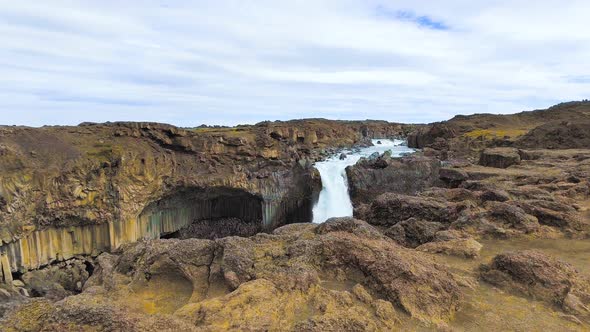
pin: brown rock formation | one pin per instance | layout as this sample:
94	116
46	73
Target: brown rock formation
91	188
499	157
558	135
299	277
542	277
407	175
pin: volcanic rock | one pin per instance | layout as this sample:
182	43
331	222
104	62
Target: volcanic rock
413	232
499	157
533	273
407	175
210	284
466	248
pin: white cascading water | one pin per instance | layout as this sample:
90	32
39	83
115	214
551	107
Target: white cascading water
334	200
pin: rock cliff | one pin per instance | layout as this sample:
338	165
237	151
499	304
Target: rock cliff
82	190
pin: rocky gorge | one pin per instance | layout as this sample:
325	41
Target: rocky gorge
143	226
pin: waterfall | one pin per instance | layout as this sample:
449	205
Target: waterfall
334	200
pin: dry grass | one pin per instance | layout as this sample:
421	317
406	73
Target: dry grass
226	132
489	134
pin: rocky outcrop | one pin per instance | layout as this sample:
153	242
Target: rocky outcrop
513	216
453	177
413	232
407	175
83	190
558	135
535	274
429	135
499	157
343	274
465	248
58	281
389	209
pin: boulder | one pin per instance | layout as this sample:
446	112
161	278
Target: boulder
535	274
555	214
453	176
499	157
494	195
413	232
57	281
512	215
389	209
465	248
408	175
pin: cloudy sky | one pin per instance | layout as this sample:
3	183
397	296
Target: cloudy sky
230	62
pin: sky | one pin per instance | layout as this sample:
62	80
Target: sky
237	62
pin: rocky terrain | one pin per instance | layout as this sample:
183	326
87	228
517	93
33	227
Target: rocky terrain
149	227
81	190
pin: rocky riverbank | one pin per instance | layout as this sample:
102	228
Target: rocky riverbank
84	210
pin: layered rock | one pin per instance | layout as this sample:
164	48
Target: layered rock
499	157
389	209
558	135
342	275
407	175
542	277
560	126
82	190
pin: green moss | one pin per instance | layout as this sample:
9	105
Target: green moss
104	151
489	134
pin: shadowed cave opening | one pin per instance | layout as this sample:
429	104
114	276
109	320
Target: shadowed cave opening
205	213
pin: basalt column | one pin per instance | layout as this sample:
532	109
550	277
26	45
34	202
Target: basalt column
203	213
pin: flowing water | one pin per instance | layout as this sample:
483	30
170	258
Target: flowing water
334	200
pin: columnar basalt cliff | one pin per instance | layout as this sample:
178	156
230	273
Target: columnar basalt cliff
66	191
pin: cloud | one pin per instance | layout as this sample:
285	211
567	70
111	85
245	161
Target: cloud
410	16
229	61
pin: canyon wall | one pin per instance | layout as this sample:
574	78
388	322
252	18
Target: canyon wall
67	191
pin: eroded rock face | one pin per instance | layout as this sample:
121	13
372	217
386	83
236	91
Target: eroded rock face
94	187
407	175
343	274
533	273
558	135
389	209
427	136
